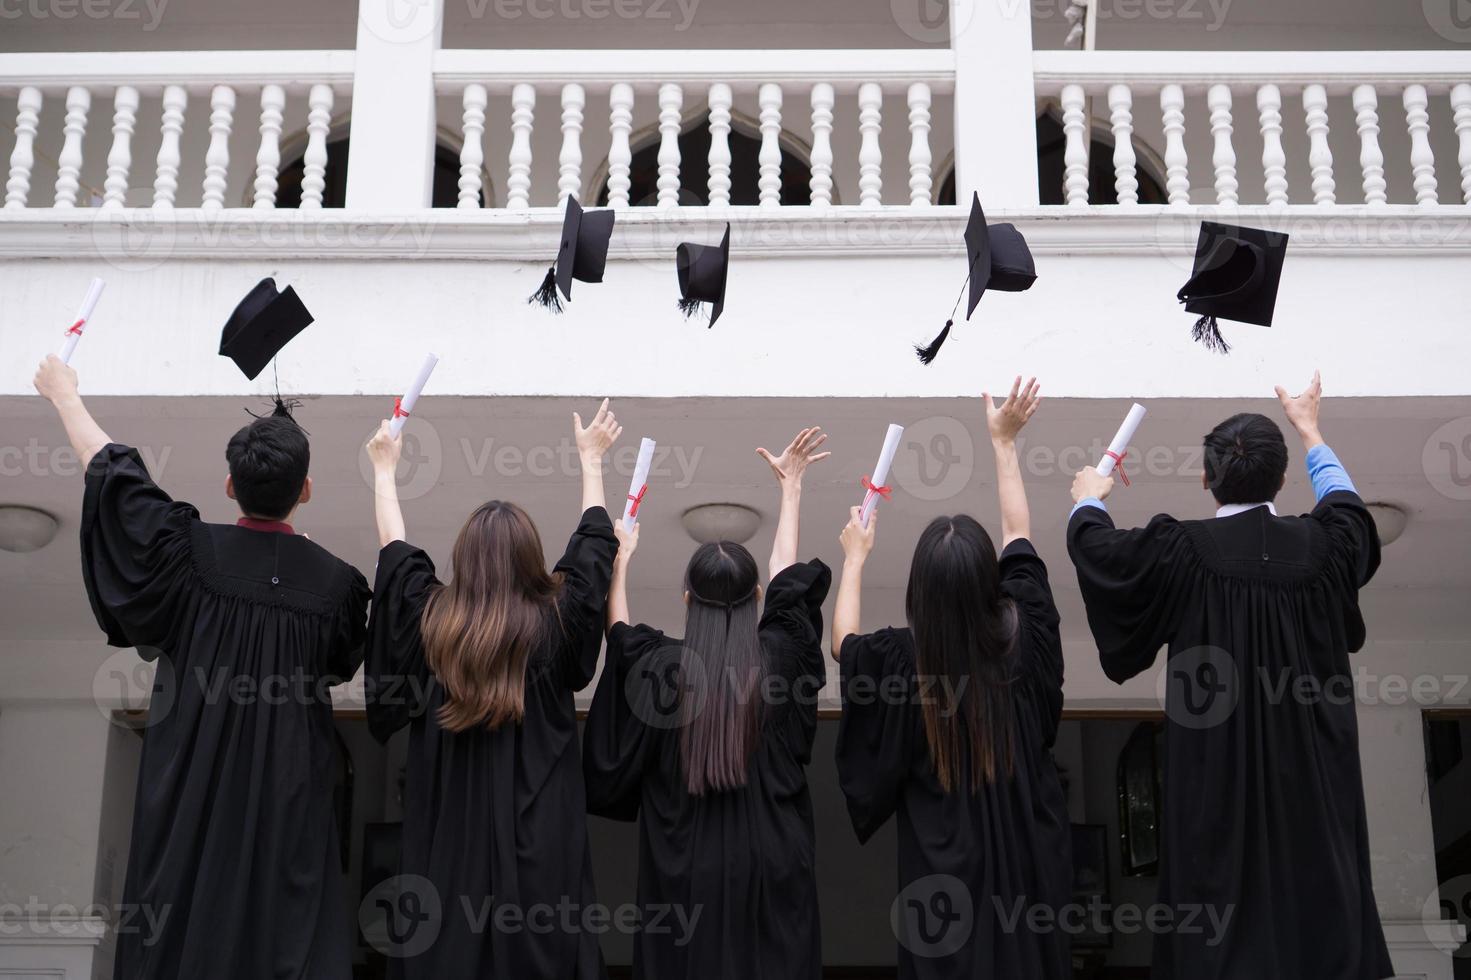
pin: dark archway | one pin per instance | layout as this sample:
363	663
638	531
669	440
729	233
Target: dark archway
694	175
1051	147
446	193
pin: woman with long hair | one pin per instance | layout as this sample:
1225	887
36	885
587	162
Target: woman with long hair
949	723
709	737
482	669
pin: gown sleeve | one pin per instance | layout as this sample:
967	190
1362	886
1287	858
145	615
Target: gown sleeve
619	739
1024	579
791	623
1353	553
136	552
586	568
878	730
1134	586
351	629
397	677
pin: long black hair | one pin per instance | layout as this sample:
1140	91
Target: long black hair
964	636
723	668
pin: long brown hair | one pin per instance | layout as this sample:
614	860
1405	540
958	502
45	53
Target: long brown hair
964	634
480	630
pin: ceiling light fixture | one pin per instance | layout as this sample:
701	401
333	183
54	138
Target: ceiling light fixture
721	522
24	529
1390	519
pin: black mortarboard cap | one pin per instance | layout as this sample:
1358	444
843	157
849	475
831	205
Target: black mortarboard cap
1237	271
997	257
702	273
261	324
582	254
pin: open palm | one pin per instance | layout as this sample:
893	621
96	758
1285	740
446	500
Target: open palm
799	454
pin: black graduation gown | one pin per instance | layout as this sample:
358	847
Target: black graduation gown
234	843
1002	853
1264	801
495	820
742	860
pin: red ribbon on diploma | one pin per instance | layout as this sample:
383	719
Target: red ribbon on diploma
398	409
885	492
75	328
637	501
1118	459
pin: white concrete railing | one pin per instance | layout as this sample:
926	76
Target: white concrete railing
678	81
1268	89
216	77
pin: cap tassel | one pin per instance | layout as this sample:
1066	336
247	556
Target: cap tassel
927	354
1208	332
689	307
546	293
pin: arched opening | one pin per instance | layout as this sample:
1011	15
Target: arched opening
694	175
446	192
1051	147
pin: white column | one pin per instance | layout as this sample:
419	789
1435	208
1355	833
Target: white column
120	157
1125	165
620	156
821	183
1224	156
166	175
1320	156
472	146
518	181
769	158
920	159
870	156
1422	158
1371	158
314	161
995	102
1274	158
719	182
569	161
217	157
69	160
1461	107
1075	151
22	158
392	130
671	100
1177	163
268	157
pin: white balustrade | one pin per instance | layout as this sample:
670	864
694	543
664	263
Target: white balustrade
314	161
870	156
671	101
920	158
1177	170
569	181
1224	157
1075	151
620	156
518	182
120	157
22	157
69	161
472	149
1371	157
217	157
1461	107
1320	155
1422	158
1274	158
720	99
1125	164
769	158
268	156
821	183
166	170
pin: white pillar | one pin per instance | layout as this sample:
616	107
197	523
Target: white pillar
995	103
391	157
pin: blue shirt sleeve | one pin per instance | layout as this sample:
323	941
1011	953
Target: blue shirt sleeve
1086	502
1327	473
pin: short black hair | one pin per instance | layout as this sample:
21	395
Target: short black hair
1245	459
268	463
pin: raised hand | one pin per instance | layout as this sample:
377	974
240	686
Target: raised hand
1091	483
857	540
1302	410
794	460
1006	420
55	380
627	540
597	437
385	448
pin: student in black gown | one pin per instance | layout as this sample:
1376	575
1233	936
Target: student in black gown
233	865
706	741
1264	844
949	722
496	872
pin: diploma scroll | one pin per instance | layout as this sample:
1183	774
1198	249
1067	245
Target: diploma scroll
74	332
875	486
405	405
1114	455
640	483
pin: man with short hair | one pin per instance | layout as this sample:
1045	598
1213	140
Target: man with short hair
1264	845
233	870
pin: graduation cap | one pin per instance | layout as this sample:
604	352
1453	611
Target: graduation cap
997	257
582	255
702	274
1237	271
261	324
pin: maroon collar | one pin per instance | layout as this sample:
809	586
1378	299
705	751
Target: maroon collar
255	524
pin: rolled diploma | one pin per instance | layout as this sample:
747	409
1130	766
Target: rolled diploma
881	469
412	395
640	480
1122	438
69	346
